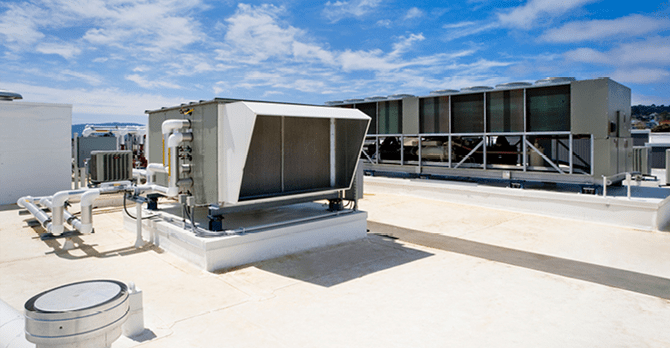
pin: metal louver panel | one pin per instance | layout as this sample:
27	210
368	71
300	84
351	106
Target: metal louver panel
106	166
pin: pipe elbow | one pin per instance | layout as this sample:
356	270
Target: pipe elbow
170	125
22	200
55	229
155	168
177	137
172	191
88	197
86	228
59	198
45	202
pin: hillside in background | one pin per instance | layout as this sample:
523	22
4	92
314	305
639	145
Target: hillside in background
78	128
644	110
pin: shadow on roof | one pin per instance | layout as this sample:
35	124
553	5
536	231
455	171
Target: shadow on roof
335	265
614	277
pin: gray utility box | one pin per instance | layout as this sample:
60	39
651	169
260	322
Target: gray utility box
85	145
602	107
246	152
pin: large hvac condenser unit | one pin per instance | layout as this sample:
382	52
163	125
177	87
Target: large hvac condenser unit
245	152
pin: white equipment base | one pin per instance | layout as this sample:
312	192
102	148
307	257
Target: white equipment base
319	228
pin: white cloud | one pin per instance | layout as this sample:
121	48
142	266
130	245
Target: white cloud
527	16
65	50
309	51
386	23
463	29
19	25
338	10
630	26
405	44
588	55
459	25
102	101
254	35
150	84
91	79
413	13
635	62
655	51
152	26
106	36
640	75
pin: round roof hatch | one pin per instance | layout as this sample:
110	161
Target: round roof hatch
476	89
83	314
400	96
8	95
375	98
555	80
443	91
514	85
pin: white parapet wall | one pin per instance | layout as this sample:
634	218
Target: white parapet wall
36	152
640	213
216	253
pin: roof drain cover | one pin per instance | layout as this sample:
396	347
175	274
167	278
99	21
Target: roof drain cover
83	314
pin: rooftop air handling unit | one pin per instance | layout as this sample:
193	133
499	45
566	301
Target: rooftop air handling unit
242	152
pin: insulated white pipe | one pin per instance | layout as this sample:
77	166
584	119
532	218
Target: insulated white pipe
73	221
29	203
87	210
138	173
170	125
152	189
177	137
153	168
58	206
138	220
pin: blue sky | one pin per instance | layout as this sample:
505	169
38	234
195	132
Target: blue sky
114	59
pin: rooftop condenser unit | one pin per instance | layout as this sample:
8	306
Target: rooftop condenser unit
245	152
106	166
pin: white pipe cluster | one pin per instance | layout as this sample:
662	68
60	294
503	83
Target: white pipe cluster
56	202
59	215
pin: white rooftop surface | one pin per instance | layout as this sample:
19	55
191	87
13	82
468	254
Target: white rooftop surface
458	275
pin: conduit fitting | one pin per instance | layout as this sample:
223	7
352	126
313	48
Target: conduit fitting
186	168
